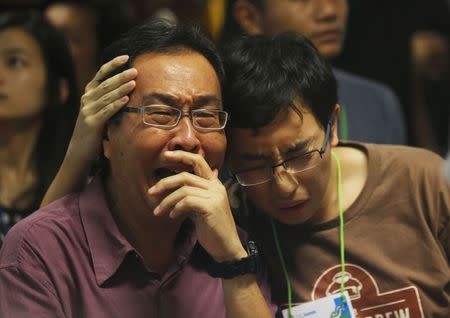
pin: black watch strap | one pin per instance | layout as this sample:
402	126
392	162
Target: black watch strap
231	269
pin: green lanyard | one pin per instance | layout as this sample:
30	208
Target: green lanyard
343	126
341	239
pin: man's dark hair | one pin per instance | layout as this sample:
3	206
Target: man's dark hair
160	36
265	75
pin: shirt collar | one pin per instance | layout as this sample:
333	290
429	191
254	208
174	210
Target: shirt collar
107	245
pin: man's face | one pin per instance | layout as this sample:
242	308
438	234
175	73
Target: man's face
184	80
289	198
78	24
321	21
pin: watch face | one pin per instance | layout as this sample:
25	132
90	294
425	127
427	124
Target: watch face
231	269
252	249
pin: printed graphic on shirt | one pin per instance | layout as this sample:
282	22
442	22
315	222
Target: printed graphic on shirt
366	298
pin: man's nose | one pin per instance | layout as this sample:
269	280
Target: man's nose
284	183
185	137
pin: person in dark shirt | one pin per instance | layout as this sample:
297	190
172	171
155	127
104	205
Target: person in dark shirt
365	104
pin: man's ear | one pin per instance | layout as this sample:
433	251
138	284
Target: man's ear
248	17
63	90
334	138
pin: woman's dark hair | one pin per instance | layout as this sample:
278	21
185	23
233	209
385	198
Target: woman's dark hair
58	118
266	75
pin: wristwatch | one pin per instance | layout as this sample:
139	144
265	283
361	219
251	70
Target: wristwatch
231	269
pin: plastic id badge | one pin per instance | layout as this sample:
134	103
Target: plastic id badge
327	307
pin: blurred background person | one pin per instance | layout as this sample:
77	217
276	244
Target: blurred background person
89	26
38	109
370	112
431	90
400	43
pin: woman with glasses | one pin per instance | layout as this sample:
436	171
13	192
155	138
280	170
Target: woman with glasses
38	109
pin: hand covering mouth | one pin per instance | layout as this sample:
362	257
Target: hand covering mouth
165	172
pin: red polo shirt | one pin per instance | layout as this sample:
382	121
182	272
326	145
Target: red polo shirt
69	259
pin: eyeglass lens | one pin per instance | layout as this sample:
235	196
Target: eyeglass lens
169	116
294	165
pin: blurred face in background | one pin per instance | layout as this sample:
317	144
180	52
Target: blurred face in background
22	75
430	55
78	24
321	21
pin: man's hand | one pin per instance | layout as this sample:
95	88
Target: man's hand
201	196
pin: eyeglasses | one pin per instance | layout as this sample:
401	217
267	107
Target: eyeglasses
304	162
163	116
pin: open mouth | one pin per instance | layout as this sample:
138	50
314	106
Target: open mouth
162	173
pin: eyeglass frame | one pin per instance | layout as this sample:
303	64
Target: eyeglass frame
140	110
321	151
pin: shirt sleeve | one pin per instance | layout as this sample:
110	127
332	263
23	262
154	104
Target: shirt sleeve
444	216
26	293
447	167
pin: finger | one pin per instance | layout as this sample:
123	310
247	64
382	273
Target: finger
113	83
186	207
177	181
110	97
169	202
105	69
197	162
100	118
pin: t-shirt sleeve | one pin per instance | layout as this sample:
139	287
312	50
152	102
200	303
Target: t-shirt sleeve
444	216
436	194
25	293
433	194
